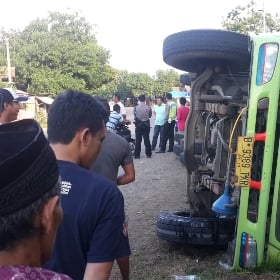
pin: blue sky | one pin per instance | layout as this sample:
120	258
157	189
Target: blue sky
133	30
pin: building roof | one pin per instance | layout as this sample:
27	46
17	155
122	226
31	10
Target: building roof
45	99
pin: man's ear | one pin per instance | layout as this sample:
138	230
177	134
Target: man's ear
48	218
84	135
6	105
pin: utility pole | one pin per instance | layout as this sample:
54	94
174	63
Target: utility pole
8	61
264	20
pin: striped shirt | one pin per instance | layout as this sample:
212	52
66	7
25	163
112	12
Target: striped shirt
114	119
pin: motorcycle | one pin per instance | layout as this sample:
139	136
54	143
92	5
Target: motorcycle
123	130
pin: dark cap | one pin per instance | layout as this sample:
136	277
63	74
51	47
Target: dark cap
9	95
28	166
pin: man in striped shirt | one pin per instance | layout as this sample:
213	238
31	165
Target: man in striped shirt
115	118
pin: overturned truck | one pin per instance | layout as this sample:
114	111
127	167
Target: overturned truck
231	144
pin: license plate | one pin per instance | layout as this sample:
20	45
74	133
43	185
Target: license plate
243	161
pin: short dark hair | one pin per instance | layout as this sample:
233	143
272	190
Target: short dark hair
71	111
117	95
159	97
117	108
183	100
142	97
19	225
1	103
104	103
168	95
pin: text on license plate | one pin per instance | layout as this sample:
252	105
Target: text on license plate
243	161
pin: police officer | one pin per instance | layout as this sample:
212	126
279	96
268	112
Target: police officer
142	114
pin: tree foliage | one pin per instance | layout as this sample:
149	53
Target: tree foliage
165	80
250	18
61	51
129	85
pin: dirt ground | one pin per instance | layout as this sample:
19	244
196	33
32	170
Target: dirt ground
160	185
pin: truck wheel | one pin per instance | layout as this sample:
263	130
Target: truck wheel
182	158
194	50
178	136
177	149
180	227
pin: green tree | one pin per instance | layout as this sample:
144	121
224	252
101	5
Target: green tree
130	85
137	83
165	80
3	60
60	52
249	18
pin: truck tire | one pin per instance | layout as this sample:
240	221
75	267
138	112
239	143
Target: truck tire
178	136
194	50
180	227
177	149
182	158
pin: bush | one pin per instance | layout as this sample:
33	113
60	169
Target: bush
41	118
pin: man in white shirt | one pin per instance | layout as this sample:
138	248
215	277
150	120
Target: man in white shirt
117	100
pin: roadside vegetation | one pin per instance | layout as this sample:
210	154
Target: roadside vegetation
61	51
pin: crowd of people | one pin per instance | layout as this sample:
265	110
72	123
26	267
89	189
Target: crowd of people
167	115
62	214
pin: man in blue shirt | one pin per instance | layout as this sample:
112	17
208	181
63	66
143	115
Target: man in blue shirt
93	232
159	111
115	152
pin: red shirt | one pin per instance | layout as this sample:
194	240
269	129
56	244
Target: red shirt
182	114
